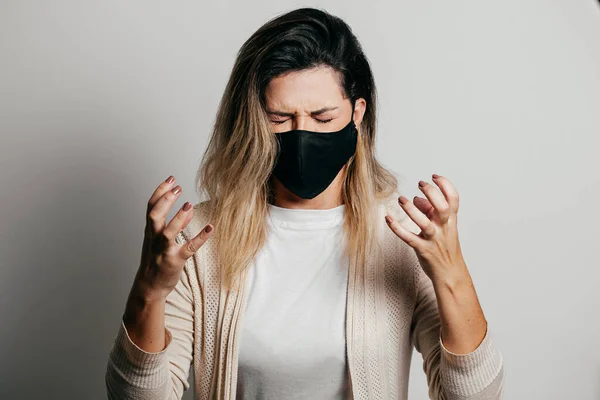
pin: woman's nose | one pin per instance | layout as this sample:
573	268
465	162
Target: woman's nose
300	122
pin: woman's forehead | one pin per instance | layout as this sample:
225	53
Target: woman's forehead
306	90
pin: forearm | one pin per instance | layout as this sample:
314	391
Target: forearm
463	324
143	363
144	319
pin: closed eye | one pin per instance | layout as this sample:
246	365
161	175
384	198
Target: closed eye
321	121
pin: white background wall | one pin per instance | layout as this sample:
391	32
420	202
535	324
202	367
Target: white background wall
100	101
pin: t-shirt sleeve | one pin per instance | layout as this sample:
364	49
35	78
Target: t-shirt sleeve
133	373
476	375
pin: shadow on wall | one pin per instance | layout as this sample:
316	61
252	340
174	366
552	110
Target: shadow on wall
65	291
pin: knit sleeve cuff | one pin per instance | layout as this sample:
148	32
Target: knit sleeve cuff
138	367
467	374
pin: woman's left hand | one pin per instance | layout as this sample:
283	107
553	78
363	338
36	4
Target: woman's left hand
437	246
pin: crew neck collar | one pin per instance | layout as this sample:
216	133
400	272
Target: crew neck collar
306	218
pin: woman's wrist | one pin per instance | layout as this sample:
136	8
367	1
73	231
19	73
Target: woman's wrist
144	318
148	292
143	299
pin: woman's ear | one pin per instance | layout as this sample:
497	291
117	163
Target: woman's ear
360	107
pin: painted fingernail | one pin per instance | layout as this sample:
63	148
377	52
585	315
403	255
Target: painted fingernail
176	189
208	228
422	183
170	179
402	199
187	206
435	176
388	219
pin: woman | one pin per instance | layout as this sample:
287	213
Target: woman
316	281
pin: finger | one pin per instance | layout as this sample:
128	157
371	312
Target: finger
427	227
448	190
424	205
158	213
436	198
160	191
190	248
409	237
165	186
179	221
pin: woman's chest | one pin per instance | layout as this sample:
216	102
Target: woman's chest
293	329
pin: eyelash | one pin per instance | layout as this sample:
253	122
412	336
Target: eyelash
318	120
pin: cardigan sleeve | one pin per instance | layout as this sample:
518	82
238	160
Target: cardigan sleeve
133	373
477	375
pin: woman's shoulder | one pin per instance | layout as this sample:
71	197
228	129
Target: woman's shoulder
400	259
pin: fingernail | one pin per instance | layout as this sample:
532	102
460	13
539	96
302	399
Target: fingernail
421	183
187	206
402	199
170	179
435	176
176	189
208	228
388	219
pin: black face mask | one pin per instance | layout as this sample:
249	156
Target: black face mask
309	161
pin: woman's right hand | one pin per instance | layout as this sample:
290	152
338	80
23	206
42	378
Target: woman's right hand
161	266
163	259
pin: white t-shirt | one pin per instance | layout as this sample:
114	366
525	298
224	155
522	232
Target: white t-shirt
292	343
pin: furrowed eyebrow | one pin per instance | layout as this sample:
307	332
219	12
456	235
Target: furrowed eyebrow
316	112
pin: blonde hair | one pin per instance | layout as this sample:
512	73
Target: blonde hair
235	171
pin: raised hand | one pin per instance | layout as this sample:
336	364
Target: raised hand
437	245
161	266
163	259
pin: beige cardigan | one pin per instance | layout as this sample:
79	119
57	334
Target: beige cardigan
390	308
